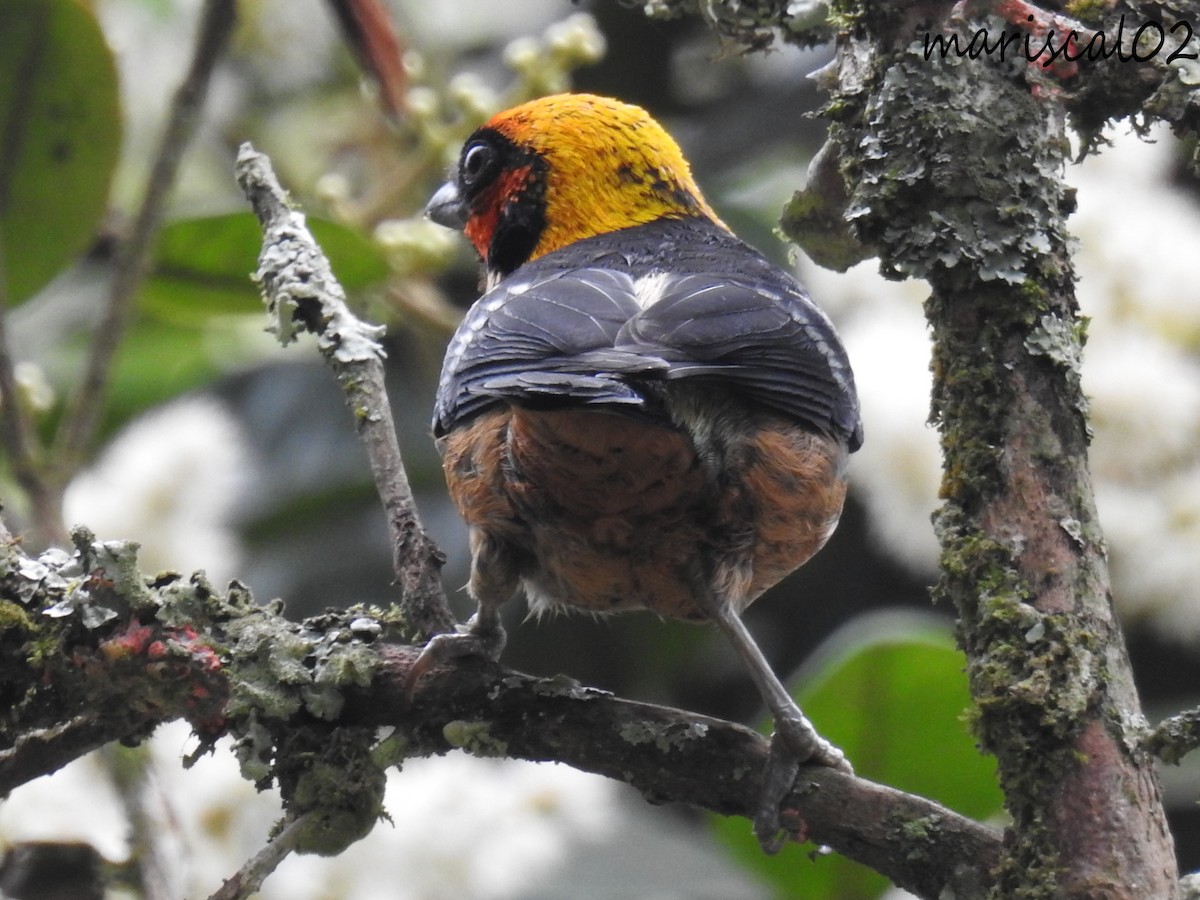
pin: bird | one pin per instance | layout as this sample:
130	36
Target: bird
640	411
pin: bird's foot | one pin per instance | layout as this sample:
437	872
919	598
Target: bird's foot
794	743
476	638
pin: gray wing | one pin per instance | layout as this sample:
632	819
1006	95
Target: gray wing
544	337
765	338
581	335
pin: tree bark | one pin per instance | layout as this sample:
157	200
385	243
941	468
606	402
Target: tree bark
953	171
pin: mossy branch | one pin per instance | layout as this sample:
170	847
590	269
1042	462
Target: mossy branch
92	652
603	734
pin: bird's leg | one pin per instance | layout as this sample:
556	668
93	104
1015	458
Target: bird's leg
493	580
795	741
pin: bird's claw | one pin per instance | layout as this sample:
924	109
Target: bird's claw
794	743
471	639
782	767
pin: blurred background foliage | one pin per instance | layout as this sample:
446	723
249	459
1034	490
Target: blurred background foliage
218	450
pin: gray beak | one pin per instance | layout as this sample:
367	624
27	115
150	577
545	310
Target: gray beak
446	207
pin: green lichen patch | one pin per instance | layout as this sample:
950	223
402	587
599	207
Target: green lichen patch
1175	737
475	737
1058	339
1034	676
15	620
289	683
566	687
665	737
332	783
282	673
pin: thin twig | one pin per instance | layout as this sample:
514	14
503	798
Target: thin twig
15	427
80	426
249	878
302	293
18	437
130	770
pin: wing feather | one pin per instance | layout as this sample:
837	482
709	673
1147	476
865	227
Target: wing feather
544	338
768	339
575	330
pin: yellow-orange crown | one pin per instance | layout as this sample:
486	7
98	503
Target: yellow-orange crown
609	165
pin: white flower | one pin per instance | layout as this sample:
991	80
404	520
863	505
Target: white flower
898	469
462	827
1141	373
171	481
75	804
1145	404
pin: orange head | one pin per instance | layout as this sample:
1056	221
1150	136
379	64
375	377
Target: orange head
553	171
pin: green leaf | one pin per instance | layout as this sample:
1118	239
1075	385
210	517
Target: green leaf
156	363
891	692
60	135
202	266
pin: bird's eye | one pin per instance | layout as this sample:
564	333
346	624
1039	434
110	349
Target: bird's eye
476	162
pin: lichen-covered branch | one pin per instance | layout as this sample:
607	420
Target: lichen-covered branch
301	293
85	640
953	172
85	658
754	24
670	755
1175	737
1139	77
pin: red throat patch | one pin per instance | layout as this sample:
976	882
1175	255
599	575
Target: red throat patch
487	208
